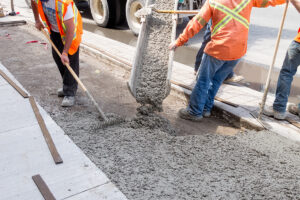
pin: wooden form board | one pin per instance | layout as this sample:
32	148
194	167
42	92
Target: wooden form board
43	188
56	157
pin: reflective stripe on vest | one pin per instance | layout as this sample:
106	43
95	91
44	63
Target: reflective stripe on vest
61	11
231	14
75	10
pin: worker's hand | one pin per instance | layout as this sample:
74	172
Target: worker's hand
64	58
173	46
39	25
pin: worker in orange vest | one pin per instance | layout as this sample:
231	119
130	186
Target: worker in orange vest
230	27
64	23
288	70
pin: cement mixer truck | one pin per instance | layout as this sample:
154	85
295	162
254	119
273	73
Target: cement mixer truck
108	13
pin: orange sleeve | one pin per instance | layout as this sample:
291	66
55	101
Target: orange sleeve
195	25
266	3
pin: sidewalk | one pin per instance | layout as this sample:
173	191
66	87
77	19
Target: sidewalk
245	99
24	153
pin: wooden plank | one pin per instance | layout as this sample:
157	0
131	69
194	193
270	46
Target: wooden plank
13	84
293	122
56	157
43	188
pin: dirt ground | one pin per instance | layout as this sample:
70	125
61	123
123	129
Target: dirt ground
207	160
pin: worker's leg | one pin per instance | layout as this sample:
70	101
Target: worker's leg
206	39
220	75
288	70
56	39
70	84
206	72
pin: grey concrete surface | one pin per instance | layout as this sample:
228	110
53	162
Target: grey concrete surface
24	153
155	162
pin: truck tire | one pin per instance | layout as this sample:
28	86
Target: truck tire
103	12
120	11
132	6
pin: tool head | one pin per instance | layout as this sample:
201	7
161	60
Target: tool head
111	120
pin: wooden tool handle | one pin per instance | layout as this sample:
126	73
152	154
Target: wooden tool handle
262	105
177	12
67	65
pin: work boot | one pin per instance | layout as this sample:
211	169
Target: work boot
184	114
68	101
206	114
269	111
293	108
234	79
60	92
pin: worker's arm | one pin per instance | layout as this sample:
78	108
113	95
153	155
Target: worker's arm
194	26
296	4
70	27
38	24
266	3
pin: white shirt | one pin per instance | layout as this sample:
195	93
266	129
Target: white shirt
49	10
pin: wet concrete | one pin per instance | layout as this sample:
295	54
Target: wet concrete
149	78
255	75
151	162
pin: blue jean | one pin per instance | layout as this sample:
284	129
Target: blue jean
288	70
206	39
211	75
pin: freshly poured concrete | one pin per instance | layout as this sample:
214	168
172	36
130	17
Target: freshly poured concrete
156	161
151	84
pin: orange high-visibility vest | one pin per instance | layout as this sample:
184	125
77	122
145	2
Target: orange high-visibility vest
61	9
297	38
230	26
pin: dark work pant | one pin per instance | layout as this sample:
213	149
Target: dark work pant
69	83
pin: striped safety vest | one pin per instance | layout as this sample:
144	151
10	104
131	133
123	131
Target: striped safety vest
230	26
61	9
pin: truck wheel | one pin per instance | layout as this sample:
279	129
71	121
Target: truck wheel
134	23
103	12
120	12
